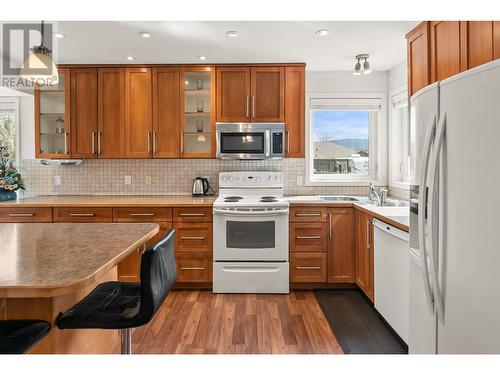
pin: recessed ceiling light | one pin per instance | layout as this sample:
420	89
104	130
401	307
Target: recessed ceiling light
130	58
232	34
202	57
322	32
145	34
59	35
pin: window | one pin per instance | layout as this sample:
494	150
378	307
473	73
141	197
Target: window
399	153
8	109
343	140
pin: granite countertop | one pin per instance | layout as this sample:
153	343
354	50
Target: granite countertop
44	260
397	216
111	201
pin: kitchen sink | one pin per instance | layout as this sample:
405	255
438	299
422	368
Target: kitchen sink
338	199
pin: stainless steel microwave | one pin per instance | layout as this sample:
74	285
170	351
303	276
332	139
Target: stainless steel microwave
250	141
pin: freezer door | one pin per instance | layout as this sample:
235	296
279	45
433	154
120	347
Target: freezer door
469	251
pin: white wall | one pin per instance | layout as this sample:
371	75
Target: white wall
345	82
397	77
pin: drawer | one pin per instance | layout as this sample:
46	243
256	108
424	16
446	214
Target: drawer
308	267
194	267
192	214
308	214
308	237
193	237
142	214
83	214
25	215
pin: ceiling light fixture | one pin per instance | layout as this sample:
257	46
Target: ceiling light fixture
130	58
202	57
232	34
322	32
145	34
59	35
39	66
365	68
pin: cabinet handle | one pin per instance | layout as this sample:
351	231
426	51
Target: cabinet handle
368	245
22	214
253	106
81	215
248	106
308	214
99	134
182	143
192	268
66	143
145	214
308	267
154	143
93	142
149	142
308	237
287	134
330	225
199	238
192	214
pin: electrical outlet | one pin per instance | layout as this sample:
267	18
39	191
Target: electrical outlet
128	180
57	180
147	180
300	180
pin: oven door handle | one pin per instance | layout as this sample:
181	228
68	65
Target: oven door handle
251	213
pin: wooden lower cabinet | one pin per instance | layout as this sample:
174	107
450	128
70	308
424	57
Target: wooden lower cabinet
194	267
83	214
340	245
308	267
26	215
308	237
364	252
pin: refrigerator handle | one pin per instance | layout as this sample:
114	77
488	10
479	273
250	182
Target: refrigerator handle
422	195
433	214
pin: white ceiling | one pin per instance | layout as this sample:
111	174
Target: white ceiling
257	42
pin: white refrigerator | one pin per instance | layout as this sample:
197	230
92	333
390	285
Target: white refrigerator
454	214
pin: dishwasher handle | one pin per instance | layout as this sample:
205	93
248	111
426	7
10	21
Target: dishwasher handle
396	232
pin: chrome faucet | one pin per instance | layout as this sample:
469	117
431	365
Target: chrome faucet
372	192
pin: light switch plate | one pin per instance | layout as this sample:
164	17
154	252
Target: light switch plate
128	180
148	180
300	180
57	180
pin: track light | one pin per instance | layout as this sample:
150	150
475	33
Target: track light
366	65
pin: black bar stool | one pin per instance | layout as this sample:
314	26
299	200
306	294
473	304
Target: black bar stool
119	305
18	336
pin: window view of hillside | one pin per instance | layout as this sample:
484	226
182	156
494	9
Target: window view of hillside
341	142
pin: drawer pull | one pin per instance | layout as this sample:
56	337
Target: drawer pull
145	214
192	214
308	214
199	238
22	214
192	268
308	267
308	237
81	215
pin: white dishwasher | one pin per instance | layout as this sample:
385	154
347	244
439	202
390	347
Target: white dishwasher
391	276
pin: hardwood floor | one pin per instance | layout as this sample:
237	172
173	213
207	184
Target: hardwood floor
200	322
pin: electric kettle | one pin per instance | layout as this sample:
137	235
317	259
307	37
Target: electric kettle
201	187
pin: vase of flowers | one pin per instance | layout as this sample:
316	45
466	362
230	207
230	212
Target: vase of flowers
10	178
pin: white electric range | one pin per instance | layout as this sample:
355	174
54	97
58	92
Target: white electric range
250	224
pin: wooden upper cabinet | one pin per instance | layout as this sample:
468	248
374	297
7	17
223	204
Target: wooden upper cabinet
341	256
111	113
445	49
364	252
295	111
83	112
478	48
496	40
166	107
138	113
418	58
233	94
268	94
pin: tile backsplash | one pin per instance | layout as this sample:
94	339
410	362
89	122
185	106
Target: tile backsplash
158	177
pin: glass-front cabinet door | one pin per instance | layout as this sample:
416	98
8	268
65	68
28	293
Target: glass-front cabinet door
52	118
198	112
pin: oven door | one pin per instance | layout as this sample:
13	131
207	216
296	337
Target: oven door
251	235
